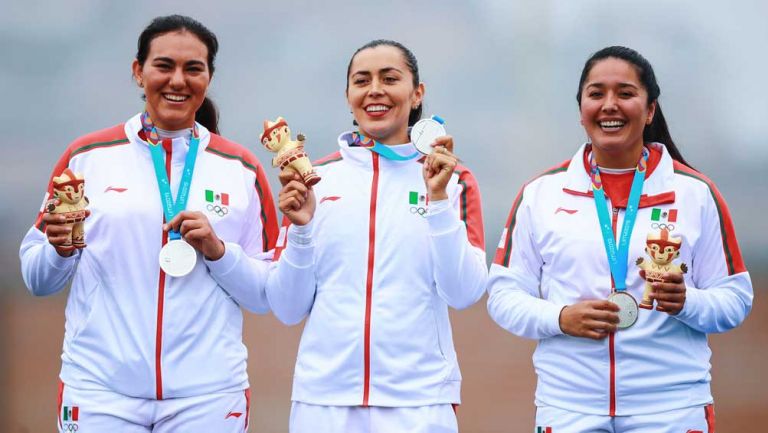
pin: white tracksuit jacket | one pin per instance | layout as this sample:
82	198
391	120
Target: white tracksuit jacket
130	328
377	280
551	255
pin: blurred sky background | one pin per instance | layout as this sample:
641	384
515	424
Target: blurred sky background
503	73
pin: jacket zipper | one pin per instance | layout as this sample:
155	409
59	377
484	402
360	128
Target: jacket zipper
369	279
612	335
161	291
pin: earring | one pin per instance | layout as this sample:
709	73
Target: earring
415	107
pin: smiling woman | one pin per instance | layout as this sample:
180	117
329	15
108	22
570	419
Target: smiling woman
377	353
604	361
180	236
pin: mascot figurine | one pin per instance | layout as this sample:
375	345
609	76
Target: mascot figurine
662	248
69	200
277	138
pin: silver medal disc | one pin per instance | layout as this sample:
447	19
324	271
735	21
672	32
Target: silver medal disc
627	308
177	258
424	133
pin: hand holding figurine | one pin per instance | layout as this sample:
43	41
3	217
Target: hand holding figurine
296	200
290	154
66	213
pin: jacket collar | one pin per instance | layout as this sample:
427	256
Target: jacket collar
362	156
656	188
133	127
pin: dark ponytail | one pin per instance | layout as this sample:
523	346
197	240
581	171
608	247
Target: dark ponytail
410	62
657	131
207	115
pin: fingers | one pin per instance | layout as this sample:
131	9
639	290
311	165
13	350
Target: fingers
287	175
669	297
590	319
58	234
54	219
189	218
446	142
293	196
440	162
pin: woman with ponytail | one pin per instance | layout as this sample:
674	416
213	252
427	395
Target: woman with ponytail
179	238
619	262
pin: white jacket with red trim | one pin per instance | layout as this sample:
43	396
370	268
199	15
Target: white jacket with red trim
376	281
130	328
551	255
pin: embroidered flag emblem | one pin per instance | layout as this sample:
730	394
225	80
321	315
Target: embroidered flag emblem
414	198
70	413
660	215
418	203
541	429
215	197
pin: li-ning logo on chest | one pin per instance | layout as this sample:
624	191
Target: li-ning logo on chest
217	203
417	202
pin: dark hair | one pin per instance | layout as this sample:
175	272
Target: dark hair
410	62
207	115
657	130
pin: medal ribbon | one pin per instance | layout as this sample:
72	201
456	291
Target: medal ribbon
382	149
153	140
617	258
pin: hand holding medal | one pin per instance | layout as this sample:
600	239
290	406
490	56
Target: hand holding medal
177	258
590	319
430	138
196	231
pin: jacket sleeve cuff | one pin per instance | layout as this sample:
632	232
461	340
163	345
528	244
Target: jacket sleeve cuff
693	299
551	320
60	262
227	262
442	217
300	235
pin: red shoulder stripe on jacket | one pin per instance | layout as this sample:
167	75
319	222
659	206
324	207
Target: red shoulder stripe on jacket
108	137
504	252
731	249
229	150
471	211
334	157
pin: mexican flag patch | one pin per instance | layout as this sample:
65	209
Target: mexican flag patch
661	215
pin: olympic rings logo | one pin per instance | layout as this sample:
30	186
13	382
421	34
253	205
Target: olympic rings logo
218	210
69	427
663	226
419	210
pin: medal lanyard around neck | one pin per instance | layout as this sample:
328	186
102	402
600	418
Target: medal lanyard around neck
382	149
617	259
153	140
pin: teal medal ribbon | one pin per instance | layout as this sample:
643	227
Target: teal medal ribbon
171	208
382	149
617	258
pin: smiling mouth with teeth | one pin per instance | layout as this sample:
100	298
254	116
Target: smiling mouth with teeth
376	108
175	98
611	124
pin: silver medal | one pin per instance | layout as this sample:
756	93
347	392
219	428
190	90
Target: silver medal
424	133
627	308
177	258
